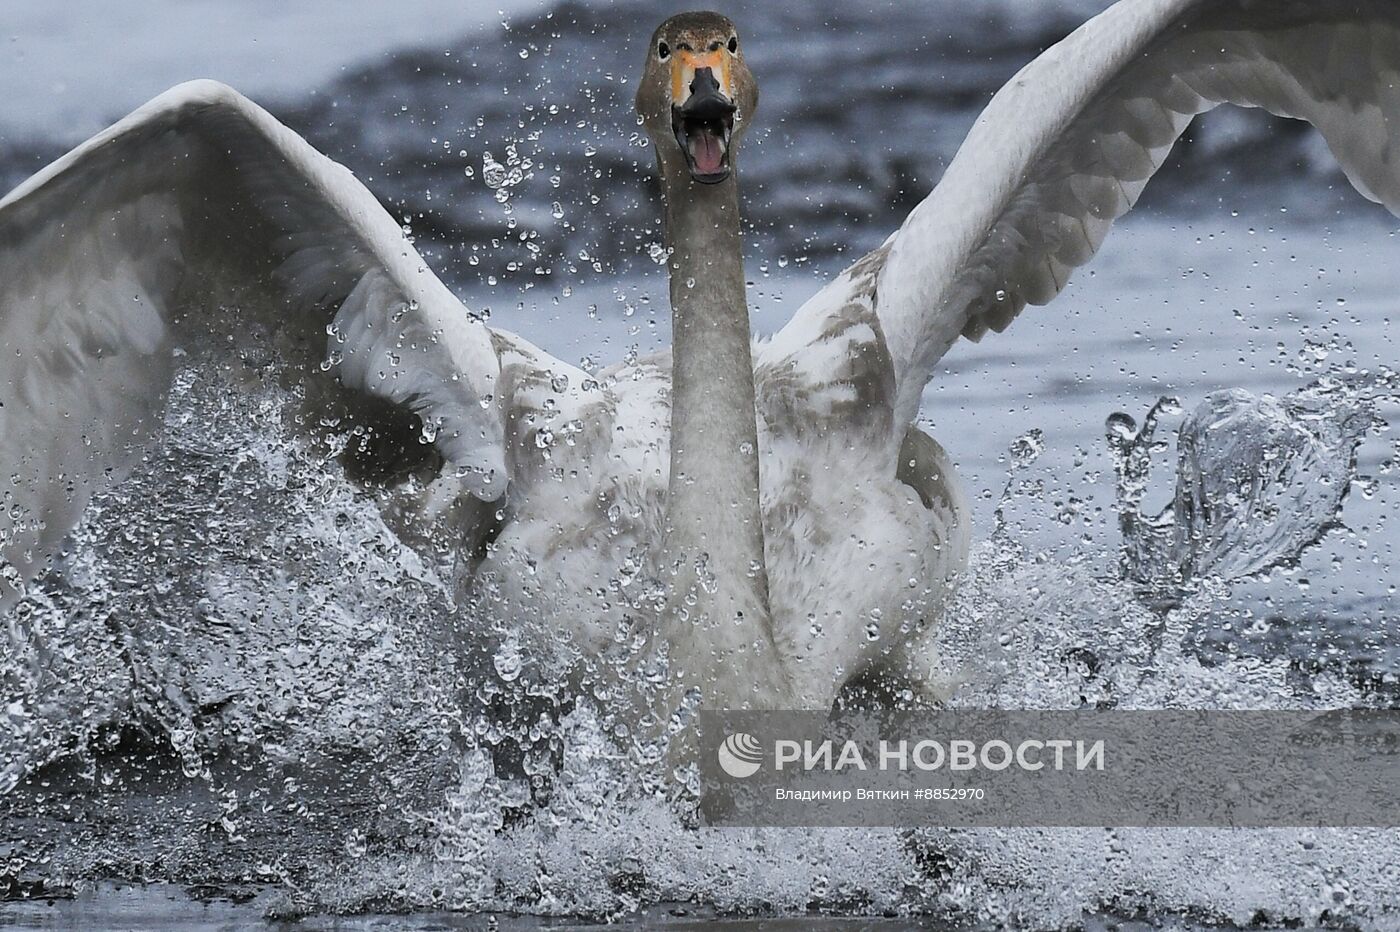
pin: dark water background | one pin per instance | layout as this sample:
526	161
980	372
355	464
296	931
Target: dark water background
862	106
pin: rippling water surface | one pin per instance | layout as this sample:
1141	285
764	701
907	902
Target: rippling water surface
239	680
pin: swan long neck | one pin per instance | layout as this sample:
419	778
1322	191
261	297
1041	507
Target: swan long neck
714	516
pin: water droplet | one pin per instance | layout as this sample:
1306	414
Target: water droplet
1026	449
508	661
355	845
492	172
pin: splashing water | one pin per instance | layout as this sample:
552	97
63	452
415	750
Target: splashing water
239	675
1258	480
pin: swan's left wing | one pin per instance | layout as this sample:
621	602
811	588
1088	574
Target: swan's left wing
1066	147
144	242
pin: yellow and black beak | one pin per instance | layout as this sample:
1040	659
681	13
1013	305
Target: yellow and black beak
702	112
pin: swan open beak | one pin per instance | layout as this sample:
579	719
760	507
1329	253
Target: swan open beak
703	118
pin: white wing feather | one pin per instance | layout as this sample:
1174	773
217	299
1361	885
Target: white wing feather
118	253
1067	146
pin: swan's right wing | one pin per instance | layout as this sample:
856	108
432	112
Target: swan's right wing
138	246
1067	146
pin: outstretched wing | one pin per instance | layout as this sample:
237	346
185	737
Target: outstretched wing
1067	146
141	244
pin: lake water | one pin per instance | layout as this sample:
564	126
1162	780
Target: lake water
253	755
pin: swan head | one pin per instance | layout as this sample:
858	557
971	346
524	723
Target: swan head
696	95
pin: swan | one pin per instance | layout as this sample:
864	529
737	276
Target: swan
763	513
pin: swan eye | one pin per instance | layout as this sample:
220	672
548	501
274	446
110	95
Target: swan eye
663	51
733	44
